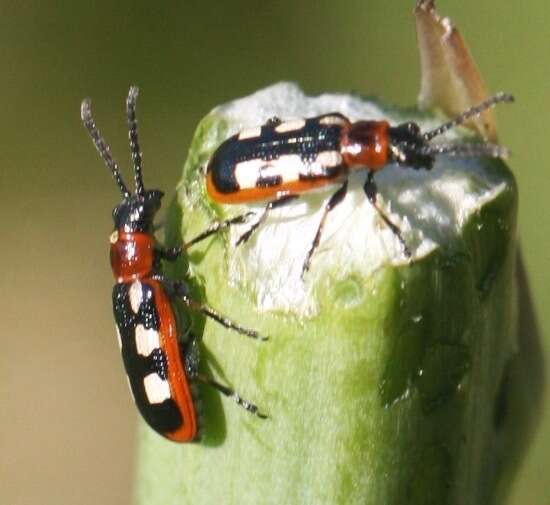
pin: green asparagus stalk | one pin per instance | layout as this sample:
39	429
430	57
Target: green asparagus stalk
386	380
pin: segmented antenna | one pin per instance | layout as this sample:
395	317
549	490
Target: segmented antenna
467	114
133	136
466	150
102	148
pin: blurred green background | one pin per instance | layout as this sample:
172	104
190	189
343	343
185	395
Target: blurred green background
67	424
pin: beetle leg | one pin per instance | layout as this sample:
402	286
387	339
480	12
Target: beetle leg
182	291
279	202
372	192
173	253
230	393
334	200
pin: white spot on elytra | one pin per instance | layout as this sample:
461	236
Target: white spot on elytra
250	133
113	237
329	158
156	389
269	170
247	173
135	294
289	126
289	167
323	161
147	340
332	120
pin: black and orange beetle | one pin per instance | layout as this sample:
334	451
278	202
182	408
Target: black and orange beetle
280	160
160	356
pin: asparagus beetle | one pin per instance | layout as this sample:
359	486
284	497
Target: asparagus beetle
160	353
281	160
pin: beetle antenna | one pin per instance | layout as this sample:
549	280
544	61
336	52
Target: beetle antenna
467	114
133	136
102	148
466	150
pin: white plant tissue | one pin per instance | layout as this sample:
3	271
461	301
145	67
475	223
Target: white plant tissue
430	208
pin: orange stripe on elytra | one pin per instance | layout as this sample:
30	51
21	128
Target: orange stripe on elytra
269	192
179	383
